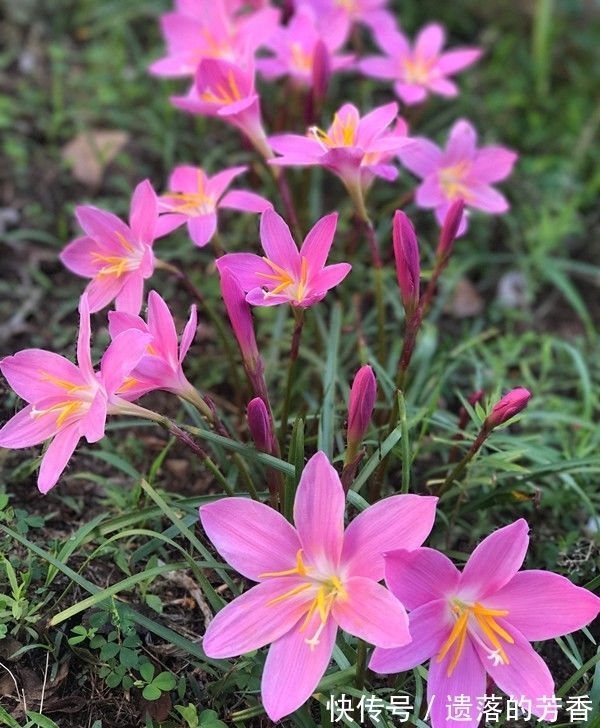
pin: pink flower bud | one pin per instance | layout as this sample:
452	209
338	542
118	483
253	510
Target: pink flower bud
360	408
240	316
408	267
450	228
509	406
259	424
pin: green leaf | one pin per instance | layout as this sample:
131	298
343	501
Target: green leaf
147	671
151	692
165	681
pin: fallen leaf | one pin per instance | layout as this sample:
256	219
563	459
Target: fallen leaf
91	151
465	300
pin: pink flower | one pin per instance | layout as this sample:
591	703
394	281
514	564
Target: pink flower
300	45
210	30
286	274
194	198
117	257
420	69
509	406
161	365
481	620
67	401
459	171
312	579
354	148
372	13
226	90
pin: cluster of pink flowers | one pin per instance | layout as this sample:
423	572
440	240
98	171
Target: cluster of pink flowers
314	576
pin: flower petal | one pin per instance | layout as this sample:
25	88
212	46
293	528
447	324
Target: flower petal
319	512
317	244
542	605
526	675
421	157
202	228
33	374
398	522
57	456
428	629
144	212
467	683
278	243
293	668
495	560
419	576
25	430
247	623
251	537
372	613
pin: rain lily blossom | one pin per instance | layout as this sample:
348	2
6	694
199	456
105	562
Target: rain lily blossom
301	45
372	13
461	170
510	405
312	578
226	90
355	149
68	401
194	197
419	69
286	274
210	30
117	257
161	365
481	620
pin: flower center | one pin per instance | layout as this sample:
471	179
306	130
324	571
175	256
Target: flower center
342	132
326	589
67	407
452	181
116	265
283	280
418	70
480	624
192	203
301	60
225	93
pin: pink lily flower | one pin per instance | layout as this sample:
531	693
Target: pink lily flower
420	69
355	149
194	197
286	274
312	578
301	45
117	257
226	90
67	401
459	171
481	620
210	30
372	13
161	365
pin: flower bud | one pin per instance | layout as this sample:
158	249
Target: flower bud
360	408
408	267
259	424
509	406
450	229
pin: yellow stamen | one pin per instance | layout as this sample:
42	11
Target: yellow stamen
286	279
117	264
418	69
328	590
342	132
451	179
485	619
224	94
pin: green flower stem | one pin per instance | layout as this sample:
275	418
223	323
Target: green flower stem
293	361
361	664
462	464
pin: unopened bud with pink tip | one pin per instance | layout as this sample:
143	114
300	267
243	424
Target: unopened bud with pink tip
259	424
449	230
509	406
360	409
408	267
